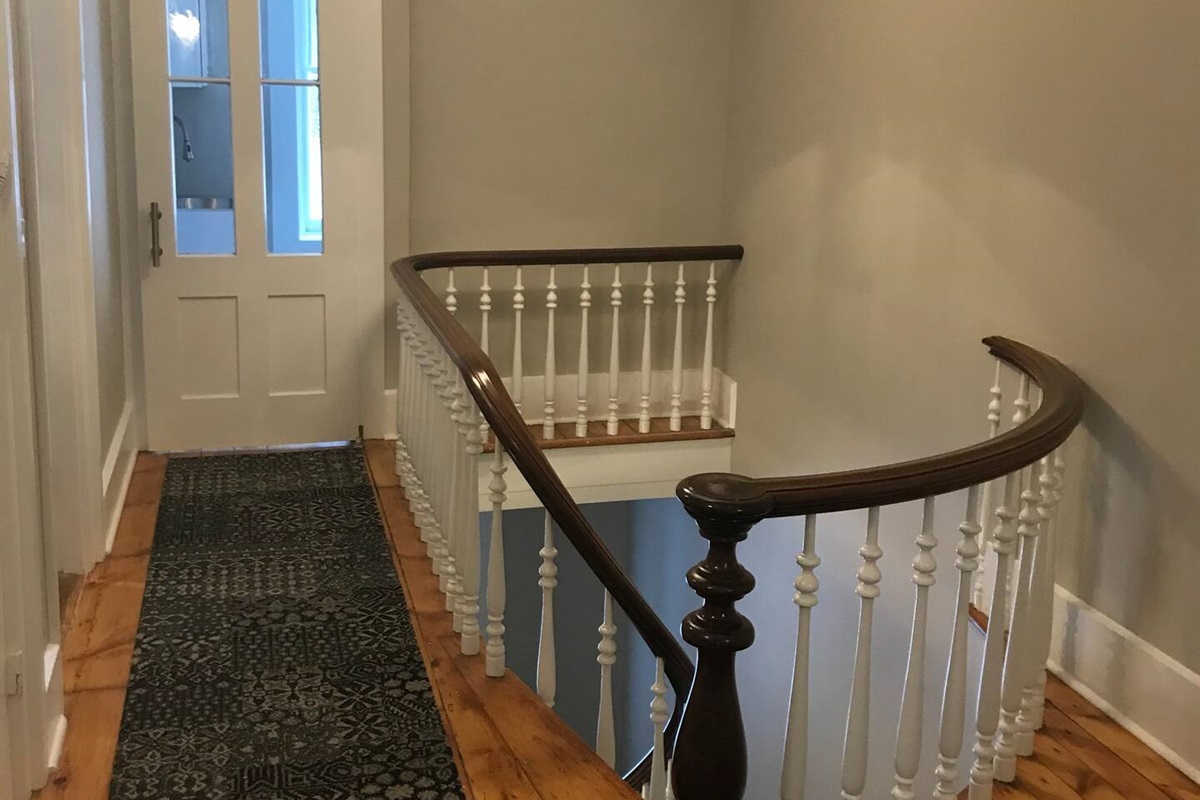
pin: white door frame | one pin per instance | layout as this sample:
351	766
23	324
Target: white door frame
54	160
31	702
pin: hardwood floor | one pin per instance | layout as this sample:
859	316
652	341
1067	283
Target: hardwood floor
627	433
98	644
508	745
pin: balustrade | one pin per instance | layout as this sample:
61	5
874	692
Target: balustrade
450	398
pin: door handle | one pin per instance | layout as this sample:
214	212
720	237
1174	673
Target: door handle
156	250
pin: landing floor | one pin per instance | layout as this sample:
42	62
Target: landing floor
508	745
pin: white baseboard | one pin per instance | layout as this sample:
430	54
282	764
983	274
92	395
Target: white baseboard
58	737
613	473
1146	691
118	471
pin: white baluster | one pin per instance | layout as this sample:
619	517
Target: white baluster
581	403
912	705
450	491
954	697
548	572
1041	608
1021	406
987	712
795	742
451	292
676	420
1018	662
1052	496
497	591
485	312
706	375
518	375
648	304
858	722
606	738
658	716
614	341
548	395
985	507
468	510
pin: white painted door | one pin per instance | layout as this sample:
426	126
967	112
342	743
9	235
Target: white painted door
257	122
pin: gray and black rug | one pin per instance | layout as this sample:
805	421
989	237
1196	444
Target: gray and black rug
275	657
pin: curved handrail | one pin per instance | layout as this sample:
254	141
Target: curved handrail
484	384
728	496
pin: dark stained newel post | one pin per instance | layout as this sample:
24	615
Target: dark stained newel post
710	748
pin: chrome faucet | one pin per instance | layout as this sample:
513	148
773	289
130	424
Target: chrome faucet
188	154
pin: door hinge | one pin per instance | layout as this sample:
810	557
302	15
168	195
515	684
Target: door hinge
13	684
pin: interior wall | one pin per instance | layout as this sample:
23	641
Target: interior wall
909	179
563	124
103	186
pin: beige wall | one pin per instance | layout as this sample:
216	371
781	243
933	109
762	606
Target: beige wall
548	123
909	178
104	183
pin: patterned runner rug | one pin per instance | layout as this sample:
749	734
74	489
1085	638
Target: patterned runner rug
275	657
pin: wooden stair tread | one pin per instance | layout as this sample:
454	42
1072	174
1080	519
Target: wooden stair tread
506	742
627	433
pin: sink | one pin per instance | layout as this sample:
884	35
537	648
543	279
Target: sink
203	202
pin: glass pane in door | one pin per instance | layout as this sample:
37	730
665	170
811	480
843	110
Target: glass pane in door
203	156
201	127
291	97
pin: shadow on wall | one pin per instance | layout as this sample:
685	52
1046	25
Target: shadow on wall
929	176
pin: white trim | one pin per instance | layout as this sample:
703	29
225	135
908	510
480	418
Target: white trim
116	445
1142	688
58	737
619	472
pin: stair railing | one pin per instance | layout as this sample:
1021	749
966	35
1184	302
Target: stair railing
451	401
1013	483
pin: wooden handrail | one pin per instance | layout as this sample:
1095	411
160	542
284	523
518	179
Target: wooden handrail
484	383
736	497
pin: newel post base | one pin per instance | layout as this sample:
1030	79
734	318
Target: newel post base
710	749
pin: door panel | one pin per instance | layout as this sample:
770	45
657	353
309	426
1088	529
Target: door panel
250	320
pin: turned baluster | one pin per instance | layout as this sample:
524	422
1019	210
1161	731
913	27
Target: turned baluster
452	492
613	350
606	737
657	789
468	510
676	419
518	371
795	741
547	579
710	748
954	697
451	292
706	374
912	704
1041	608
497	590
858	719
987	710
1021	406
485	312
548	387
985	508
581	399
1018	663
648	304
